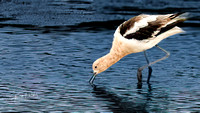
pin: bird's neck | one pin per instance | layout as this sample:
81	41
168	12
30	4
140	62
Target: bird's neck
112	58
115	54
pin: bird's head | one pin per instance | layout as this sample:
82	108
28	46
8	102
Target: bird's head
99	66
102	64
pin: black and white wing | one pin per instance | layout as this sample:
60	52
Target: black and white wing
149	26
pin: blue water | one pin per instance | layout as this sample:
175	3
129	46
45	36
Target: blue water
47	49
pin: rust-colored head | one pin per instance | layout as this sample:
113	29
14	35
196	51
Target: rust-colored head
100	65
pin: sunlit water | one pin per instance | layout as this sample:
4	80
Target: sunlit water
48	68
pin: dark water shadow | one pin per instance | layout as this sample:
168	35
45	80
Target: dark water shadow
121	104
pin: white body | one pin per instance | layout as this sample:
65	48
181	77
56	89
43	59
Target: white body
135	46
137	26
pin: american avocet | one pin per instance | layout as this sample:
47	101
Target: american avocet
137	35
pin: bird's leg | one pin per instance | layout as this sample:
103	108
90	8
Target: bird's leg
139	73
150	69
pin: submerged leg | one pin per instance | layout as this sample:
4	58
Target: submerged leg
139	73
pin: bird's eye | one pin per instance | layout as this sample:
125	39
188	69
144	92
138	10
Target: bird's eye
95	67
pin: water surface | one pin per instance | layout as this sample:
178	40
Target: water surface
47	49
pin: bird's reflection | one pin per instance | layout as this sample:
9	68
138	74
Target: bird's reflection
147	95
139	86
120	103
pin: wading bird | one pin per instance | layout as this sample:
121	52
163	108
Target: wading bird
139	34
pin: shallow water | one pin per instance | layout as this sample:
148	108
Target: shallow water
45	60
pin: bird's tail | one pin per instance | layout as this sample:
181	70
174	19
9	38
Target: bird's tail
180	16
177	19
